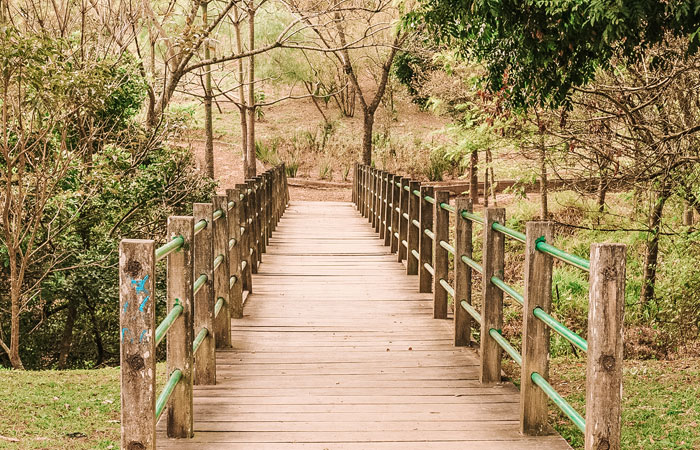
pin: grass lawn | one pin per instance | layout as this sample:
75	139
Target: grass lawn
79	409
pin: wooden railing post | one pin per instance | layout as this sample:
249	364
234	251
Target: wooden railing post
285	185
378	201
354	183
463	273
180	335
244	247
365	191
381	226
403	222
234	252
389	195
137	322
260	215
441	259
268	207
426	244
205	360
492	303
222	323
252	226
396	204
413	235
605	346
535	347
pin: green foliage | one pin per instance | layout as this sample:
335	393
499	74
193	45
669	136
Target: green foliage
538	51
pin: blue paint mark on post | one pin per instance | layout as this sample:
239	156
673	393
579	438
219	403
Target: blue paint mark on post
140	285
126	304
142	334
143	303
124	331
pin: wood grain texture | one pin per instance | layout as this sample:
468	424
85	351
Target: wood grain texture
337	350
425	279
605	346
535	347
463	273
205	359
441	262
492	297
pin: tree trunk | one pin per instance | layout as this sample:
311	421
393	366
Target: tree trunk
652	250
367	125
688	215
241	92
474	177
486	178
208	119
544	185
250	125
67	339
15	300
99	345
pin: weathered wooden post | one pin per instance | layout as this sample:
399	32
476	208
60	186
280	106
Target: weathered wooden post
137	323
222	323
252	226
413	234
205	359
492	303
354	183
382	204
605	346
378	201
268	207
395	213
403	222
365	191
260	216
180	336
426	244
535	348
440	256
389	194
463	273
234	247
244	247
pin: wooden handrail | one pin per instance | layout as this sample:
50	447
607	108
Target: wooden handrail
380	196
196	291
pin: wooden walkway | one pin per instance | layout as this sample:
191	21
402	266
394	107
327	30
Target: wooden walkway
338	350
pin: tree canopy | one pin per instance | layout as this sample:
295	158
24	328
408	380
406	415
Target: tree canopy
537	51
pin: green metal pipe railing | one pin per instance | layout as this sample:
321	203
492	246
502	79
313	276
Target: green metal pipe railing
405	216
404	243
165	250
217	214
218	306
416	223
505	345
561	329
416	193
396	235
470	309
164	396
217	261
448	247
244	264
231	204
471	263
507	289
518	236
231	281
168	322
446	286
429	233
471	216
407	189
231	243
198	283
574	260
199	339
558	400
199	226
429	268
415	254
447	207
429	199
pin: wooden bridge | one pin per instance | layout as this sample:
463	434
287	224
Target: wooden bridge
336	347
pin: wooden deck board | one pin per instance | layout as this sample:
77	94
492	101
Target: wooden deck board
337	350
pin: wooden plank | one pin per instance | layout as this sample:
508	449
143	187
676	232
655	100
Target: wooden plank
338	350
